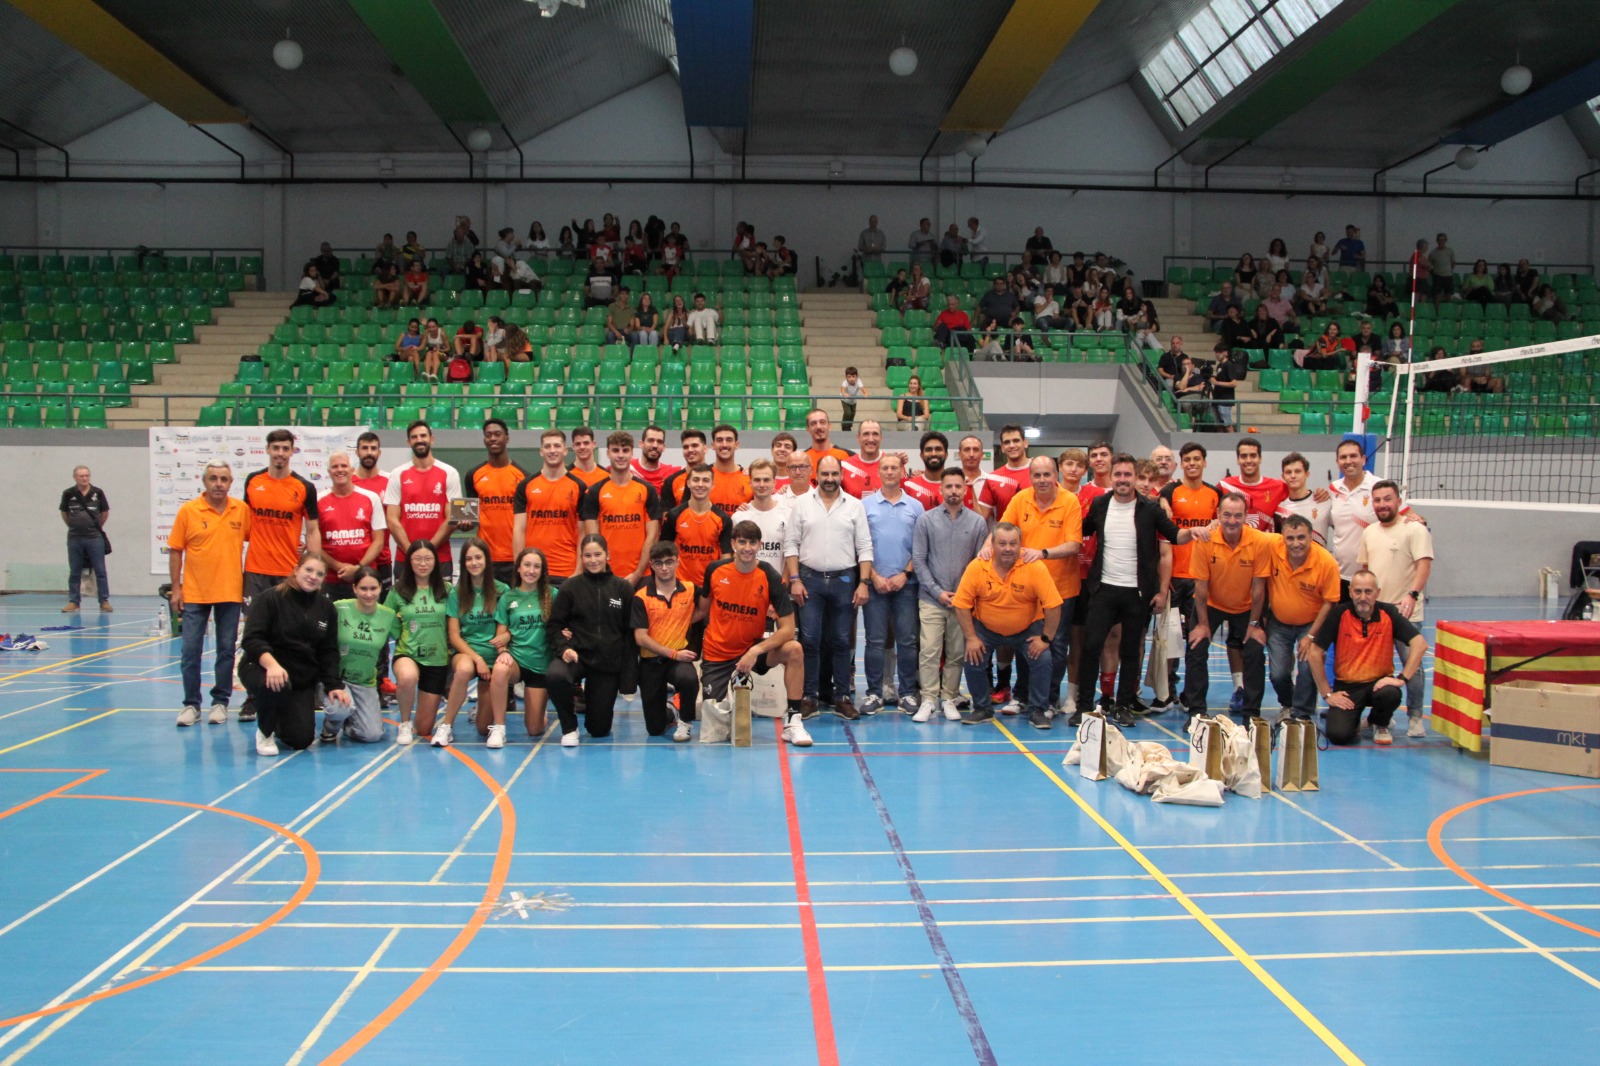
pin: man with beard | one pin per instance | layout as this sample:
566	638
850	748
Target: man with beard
925	487
693	443
1400	555
1364	635
417	497
647	464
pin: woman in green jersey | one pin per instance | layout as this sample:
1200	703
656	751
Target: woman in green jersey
521	612
365	626
476	639
422	652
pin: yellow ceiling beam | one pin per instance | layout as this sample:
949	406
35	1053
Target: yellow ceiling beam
91	30
1028	42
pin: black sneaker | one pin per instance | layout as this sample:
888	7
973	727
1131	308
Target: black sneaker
329	734
1121	717
1039	719
978	715
247	713
1075	720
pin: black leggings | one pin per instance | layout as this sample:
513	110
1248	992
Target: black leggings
599	695
655	674
290	714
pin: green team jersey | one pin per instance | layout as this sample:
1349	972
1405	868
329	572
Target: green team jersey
422	628
477	628
361	640
521	613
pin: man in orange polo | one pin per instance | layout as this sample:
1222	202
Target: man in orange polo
1005	602
1301	591
1230	569
1051	522
820	428
205	564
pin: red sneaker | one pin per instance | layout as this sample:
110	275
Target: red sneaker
1000	695
386	688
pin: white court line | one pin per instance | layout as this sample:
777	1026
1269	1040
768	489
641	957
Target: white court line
366	970
1335	830
1547	953
490	808
94	974
83	691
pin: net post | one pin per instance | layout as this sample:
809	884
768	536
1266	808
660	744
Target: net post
1363	392
1405	464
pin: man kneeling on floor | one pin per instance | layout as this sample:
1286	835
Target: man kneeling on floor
1003	602
1363	634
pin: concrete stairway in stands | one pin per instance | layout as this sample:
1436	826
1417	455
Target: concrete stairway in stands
1178	317
236	330
838	330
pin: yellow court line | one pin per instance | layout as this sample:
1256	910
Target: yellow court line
1311	1021
83	658
58	732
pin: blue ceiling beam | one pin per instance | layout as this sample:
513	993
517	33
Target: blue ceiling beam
716	60
1526	112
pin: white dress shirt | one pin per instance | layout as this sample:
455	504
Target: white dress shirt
827	538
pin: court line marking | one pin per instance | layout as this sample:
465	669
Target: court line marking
57	732
78	691
930	926
816	973
1436	844
488	810
1547	954
1311	1021
195	899
313	869
365	971
84	775
497	880
82	658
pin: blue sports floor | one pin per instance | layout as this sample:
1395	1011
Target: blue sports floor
895	894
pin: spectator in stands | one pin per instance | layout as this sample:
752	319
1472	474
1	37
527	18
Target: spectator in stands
1037	248
414	291
1137	316
1418	267
759	263
998	307
600	289
477	275
919	290
896	288
744	245
923	243
435	346
460	249
514	275
1077	306
1365	336
1505	284
1263	331
655	230
977	239
567	243
781	261
1189	386
1058	275
387	249
1217	310
385	283
912	406
635	255
1374	369
1312	296
1046	312
1440	380
646	328
1244	273
1230	371
1277	256
1548	306
953	326
413	251
468	341
952	246
1380	301
671	255
872	242
1396	348
603	260
1319	247
1233	329
704	322
1442	268
1478	286
537	244
1279	308
1171	361
619	317
312	292
1102	311
1479	379
1351	250
505	343
408	346
327	265
583	236
851	392
1527	281
1020	343
676	322
1328	352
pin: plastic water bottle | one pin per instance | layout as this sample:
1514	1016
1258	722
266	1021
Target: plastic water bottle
158	625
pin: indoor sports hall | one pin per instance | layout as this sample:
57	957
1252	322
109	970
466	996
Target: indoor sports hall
1244	265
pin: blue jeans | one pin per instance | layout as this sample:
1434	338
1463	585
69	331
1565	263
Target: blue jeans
1300	697
826	617
1058	659
82	554
901	607
226	617
1037	670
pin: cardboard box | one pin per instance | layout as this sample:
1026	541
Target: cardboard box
1546	726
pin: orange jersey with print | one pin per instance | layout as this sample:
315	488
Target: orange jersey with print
739	602
590	478
552	523
1191	509
624	513
666	618
731	490
495	488
1009	604
279	508
211	543
816	455
702	539
1046	527
1230	570
1295	595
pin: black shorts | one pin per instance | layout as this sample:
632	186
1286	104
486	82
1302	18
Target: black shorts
532	678
506	572
714	677
257	585
434	680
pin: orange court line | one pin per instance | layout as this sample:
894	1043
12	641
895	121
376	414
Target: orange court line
497	880
1436	843
313	872
87	775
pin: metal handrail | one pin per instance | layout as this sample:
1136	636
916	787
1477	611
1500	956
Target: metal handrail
1391	265
115	250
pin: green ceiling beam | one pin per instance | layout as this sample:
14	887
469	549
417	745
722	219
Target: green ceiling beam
422	46
1344	52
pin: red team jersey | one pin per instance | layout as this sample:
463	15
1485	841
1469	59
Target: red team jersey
1264	496
860	476
1087	494
348	525
1000	485
925	492
377	484
423	497
658	476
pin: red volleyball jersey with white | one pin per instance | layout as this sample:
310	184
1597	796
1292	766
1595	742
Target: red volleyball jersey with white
423	497
349	524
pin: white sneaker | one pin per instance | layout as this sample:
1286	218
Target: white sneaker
952	713
684	732
795	733
1010	707
1415	726
189	716
569	740
265	745
407	734
497	737
442	735
472	693
925	712
1382	737
219	714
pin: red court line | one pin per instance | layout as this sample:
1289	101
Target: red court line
816	976
313	872
1436	843
868	752
480	915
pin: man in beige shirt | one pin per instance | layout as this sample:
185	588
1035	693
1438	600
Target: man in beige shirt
1400	554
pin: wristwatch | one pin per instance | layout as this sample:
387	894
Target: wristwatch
1414	594
1255	623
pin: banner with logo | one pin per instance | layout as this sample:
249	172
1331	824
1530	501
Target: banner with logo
178	458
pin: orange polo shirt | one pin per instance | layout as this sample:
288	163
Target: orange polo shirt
213	548
1230	570
1296	594
1009	604
1046	528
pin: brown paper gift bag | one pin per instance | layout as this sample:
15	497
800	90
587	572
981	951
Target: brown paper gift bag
1092	739
1286	773
1205	746
1309	737
1261	741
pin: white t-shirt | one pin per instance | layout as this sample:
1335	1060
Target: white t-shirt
772	525
1392	553
308	284
852	391
1318	514
1119	546
703	324
1349	512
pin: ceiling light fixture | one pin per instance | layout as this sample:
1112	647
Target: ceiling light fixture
975	145
903	61
1467	157
479	139
287	53
1517	79
549	8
